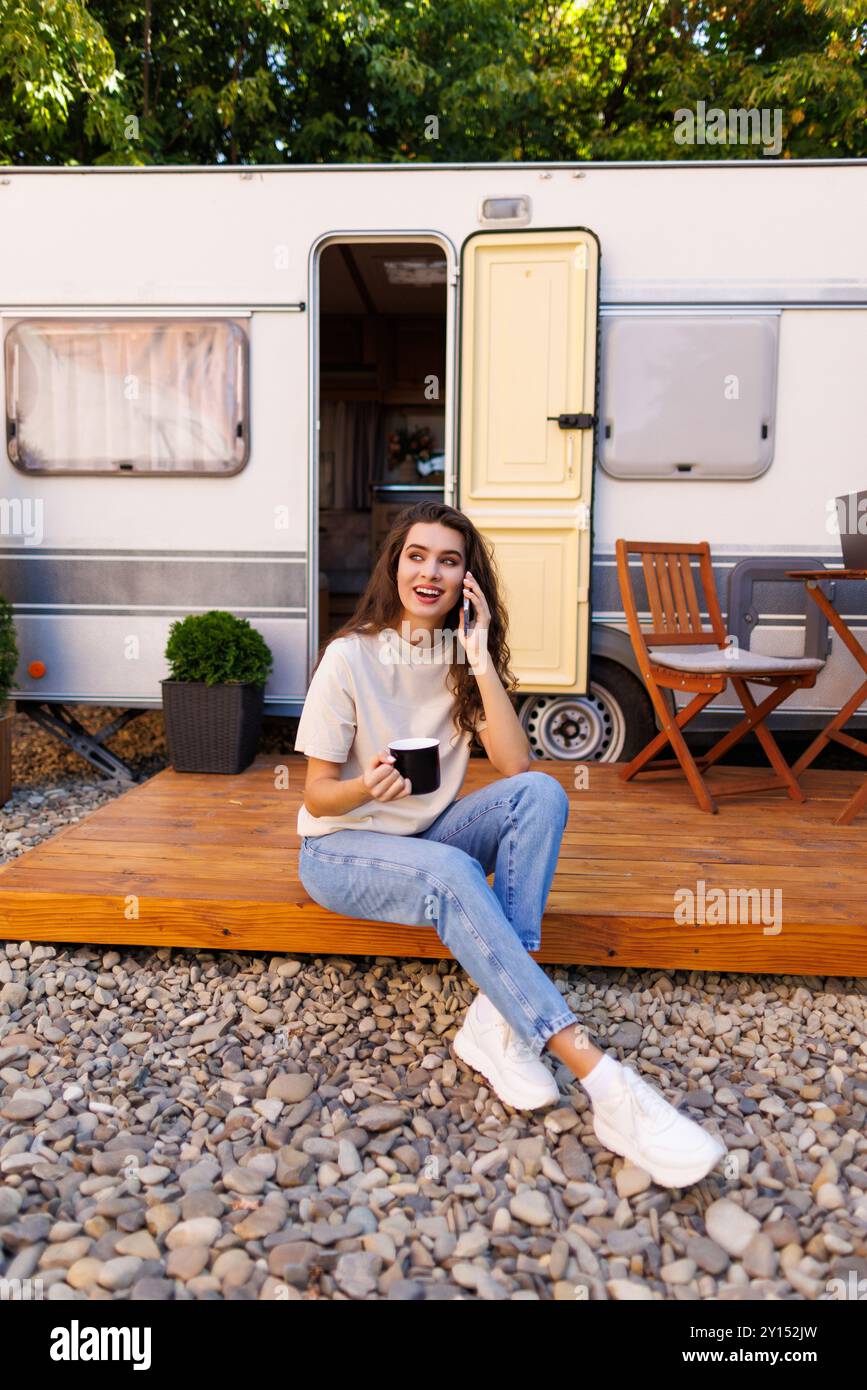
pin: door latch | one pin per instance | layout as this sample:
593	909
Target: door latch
574	422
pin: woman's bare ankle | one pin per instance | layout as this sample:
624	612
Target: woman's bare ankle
572	1045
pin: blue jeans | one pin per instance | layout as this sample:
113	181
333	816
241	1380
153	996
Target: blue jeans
511	828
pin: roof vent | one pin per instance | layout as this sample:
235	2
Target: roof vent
422	270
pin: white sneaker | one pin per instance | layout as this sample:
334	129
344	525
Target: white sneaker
491	1046
637	1122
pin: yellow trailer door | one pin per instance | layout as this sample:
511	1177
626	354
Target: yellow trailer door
525	436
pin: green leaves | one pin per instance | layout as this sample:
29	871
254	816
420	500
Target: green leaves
8	650
338	81
217	647
53	53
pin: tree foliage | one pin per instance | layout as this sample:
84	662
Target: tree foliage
350	81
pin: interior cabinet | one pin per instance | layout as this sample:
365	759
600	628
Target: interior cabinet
349	357
386	357
414	351
388	503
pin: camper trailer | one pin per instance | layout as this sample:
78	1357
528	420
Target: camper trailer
222	384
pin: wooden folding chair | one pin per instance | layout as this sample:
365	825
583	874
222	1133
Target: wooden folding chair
676	622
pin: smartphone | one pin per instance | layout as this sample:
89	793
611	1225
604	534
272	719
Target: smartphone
466	616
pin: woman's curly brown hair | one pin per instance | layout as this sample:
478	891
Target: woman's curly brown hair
380	607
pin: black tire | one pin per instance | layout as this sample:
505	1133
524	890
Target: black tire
633	699
612	723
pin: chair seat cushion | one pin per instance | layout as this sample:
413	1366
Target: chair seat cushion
733	661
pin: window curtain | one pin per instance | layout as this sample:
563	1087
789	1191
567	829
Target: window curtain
162	396
354	433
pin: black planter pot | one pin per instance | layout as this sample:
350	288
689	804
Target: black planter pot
212	728
7	721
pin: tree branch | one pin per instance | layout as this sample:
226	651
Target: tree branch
147	59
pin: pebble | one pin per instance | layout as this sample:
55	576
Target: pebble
630	1181
627	1036
381	1117
355	1274
119	1273
270	1109
140	1244
84	1272
678	1272
186	1261
830	1197
472	1243
627	1242
244	1180
626	1291
290	1087
730	1226
348	1158
207	1124
13	995
153	1173
202	1230
531	1206
707	1254
759	1258
21	1109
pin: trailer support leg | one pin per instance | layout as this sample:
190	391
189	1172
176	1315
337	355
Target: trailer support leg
57	720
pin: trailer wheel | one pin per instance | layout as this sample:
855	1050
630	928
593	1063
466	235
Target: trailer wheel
612	722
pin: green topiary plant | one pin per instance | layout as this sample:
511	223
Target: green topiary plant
216	648
8	651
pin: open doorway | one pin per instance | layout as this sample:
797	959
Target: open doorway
382	405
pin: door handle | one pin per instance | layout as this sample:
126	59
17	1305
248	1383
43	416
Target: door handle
582	421
574	422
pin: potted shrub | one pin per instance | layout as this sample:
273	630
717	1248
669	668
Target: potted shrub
213	698
8	663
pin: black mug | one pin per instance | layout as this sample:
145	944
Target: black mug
419	760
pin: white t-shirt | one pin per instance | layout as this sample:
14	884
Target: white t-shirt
366	692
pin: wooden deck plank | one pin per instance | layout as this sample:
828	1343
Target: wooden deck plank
571	872
210	862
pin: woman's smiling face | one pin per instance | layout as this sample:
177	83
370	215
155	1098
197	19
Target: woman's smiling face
432	559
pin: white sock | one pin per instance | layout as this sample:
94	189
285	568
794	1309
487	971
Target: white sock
486	1009
600	1079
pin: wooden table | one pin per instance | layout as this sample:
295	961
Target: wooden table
833	730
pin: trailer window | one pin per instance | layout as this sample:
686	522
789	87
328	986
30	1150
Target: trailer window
687	395
126	395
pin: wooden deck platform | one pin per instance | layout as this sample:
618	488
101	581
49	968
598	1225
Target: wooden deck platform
208	861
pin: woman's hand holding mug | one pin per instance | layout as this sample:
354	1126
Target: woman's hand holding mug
382	779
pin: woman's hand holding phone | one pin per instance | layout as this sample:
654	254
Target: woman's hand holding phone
382	779
475	640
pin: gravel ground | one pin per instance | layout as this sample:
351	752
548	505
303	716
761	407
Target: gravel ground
183	1124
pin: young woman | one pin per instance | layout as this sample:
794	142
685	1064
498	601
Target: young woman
402	667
